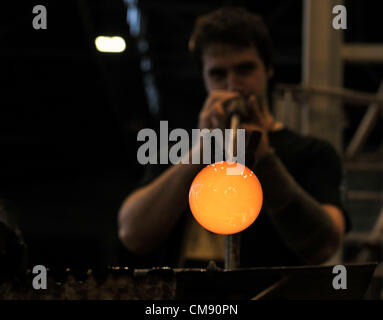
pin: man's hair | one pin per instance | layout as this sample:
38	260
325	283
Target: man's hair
233	26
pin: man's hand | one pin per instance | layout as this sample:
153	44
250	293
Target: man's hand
214	114
259	121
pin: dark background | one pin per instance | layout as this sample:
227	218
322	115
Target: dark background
69	115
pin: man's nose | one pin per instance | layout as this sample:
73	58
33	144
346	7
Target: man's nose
234	82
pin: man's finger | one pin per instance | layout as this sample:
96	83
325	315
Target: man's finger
258	116
218	116
219	96
250	127
225	94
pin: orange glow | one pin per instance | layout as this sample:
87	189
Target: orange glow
222	203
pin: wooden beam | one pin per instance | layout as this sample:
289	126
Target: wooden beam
346	95
360	52
322	66
365	127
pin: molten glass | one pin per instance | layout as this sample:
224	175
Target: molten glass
224	203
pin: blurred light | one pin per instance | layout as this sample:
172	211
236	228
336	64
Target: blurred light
143	46
134	20
151	93
110	44
133	17
146	64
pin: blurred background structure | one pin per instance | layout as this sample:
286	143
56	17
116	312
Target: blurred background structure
69	114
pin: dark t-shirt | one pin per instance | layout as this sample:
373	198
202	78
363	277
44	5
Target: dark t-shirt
316	167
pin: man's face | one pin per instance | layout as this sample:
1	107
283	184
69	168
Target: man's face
232	68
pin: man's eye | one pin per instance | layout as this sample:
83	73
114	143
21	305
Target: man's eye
245	69
218	74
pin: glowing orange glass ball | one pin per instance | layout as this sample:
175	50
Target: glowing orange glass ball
224	203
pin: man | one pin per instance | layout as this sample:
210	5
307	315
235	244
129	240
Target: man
301	221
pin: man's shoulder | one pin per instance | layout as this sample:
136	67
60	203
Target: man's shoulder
301	153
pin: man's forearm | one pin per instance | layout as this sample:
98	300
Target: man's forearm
149	214
299	218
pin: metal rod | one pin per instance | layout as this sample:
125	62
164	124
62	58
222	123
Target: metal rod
232	251
232	241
